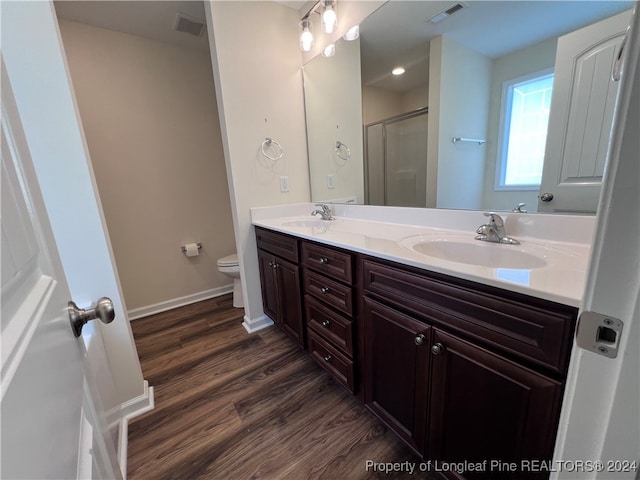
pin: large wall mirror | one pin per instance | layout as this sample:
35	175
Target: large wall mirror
500	103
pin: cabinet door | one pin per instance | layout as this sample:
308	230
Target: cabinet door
290	303
396	371
485	407
266	263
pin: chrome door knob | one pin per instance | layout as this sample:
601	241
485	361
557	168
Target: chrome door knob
420	339
79	316
546	197
437	349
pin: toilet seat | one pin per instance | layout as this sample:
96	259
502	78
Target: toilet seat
229	261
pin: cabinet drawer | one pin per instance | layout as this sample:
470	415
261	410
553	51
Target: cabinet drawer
329	292
277	243
524	326
340	367
330	325
328	261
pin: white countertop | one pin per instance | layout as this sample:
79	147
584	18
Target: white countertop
559	277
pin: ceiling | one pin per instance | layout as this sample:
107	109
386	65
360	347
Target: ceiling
398	32
149	19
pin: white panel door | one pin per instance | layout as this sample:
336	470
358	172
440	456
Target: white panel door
51	423
582	108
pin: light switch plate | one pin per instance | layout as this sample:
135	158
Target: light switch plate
331	181
284	184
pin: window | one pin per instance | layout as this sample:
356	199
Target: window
526	102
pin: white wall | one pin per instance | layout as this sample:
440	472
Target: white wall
150	117
256	62
528	60
460	79
333	104
379	104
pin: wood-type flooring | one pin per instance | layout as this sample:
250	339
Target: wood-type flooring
232	405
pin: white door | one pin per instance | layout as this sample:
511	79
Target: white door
601	411
52	421
582	109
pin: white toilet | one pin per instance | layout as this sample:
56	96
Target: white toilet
229	266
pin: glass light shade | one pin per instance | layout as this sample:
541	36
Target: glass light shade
352	34
329	50
397	71
306	37
329	16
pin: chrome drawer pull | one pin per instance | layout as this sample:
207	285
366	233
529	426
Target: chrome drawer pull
437	349
324	290
324	260
325	323
327	357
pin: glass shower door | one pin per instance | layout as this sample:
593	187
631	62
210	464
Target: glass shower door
406	162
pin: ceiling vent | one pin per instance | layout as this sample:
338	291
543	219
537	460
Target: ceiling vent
191	25
455	8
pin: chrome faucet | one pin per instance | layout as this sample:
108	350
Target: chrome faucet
325	213
494	231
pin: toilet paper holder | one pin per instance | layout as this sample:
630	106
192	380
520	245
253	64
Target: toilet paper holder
184	247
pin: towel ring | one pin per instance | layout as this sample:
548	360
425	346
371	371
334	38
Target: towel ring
276	149
342	151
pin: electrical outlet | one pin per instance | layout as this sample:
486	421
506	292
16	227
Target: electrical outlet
331	181
284	184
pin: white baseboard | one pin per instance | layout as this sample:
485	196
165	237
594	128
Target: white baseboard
179	302
128	410
254	324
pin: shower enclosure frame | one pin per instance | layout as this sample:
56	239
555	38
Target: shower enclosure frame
384	123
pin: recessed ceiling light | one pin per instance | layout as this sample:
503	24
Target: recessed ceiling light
397	71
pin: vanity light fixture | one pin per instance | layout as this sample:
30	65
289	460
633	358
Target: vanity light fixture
306	36
397	71
329	50
352	34
329	15
329	20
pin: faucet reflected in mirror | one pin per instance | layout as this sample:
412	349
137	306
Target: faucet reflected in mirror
457	70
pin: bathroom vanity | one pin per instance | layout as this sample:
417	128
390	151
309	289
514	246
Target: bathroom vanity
460	369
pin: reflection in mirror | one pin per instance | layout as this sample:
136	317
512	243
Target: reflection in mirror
464	76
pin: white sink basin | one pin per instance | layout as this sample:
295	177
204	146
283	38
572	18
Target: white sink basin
303	223
485	255
317	224
459	249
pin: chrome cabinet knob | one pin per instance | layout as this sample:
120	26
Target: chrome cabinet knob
79	316
325	323
324	260
437	349
324	290
546	197
328	357
420	339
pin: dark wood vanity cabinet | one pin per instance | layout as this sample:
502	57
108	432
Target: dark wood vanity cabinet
485	407
462	372
444	370
280	280
396	371
328	286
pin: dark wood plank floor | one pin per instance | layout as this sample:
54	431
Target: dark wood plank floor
230	405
